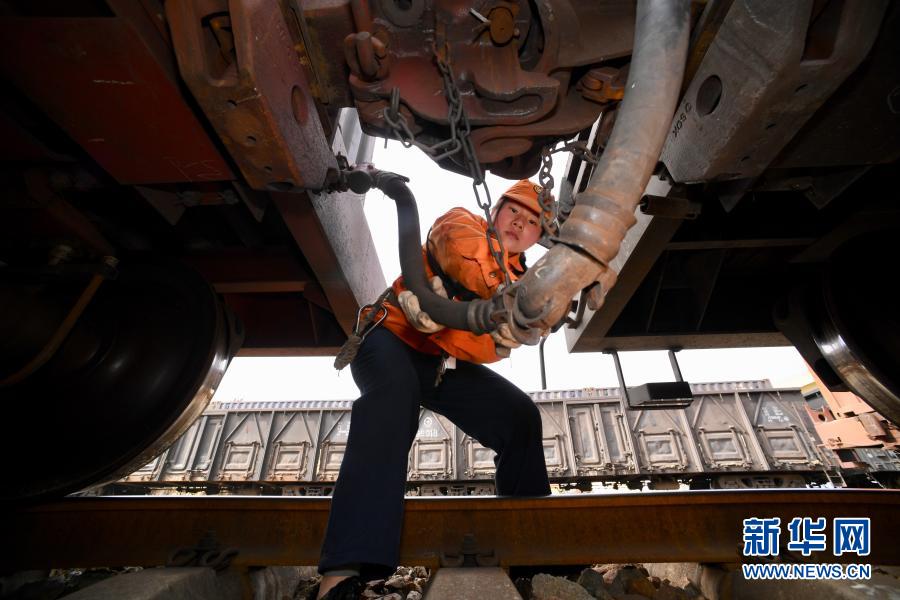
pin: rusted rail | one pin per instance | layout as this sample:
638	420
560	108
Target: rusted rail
649	527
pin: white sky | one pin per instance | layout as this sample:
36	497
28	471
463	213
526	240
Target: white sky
436	190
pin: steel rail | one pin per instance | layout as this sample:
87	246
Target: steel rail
692	526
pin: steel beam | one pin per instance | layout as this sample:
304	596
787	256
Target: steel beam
251	271
240	61
285	324
646	527
332	232
110	83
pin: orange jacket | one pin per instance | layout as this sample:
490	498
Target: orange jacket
459	245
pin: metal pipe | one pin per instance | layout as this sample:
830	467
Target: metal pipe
620	375
543	366
674	362
603	213
59	336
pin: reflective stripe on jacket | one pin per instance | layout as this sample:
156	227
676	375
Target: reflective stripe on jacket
459	245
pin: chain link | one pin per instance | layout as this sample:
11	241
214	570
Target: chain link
458	141
545	197
580	149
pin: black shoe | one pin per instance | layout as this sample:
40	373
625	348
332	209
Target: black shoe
347	589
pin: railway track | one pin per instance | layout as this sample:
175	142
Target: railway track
578	529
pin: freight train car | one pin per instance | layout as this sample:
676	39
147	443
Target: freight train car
734	435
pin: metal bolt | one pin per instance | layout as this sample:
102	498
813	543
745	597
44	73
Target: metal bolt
591	83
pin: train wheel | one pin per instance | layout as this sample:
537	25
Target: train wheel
139	366
859	327
845	323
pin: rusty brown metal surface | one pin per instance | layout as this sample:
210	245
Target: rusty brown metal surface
285	324
515	96
848	422
247	271
585	529
603	84
62	216
506	94
279	303
21	144
323	24
573	113
110	85
241	63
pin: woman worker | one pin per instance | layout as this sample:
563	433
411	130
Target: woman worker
401	366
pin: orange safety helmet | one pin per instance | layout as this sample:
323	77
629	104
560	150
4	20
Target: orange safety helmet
525	192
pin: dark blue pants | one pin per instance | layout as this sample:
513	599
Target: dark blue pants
367	506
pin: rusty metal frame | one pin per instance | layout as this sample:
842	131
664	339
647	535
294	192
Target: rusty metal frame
111	84
240	60
648	527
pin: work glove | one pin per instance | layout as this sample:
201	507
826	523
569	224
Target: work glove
504	340
417	317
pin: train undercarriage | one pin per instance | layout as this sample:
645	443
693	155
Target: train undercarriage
172	188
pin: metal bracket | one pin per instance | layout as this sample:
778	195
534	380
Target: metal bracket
670	207
657	395
469	555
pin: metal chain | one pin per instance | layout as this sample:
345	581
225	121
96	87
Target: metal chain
458	141
545	178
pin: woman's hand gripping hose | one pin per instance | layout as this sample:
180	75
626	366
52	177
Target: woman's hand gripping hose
417	317
504	340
